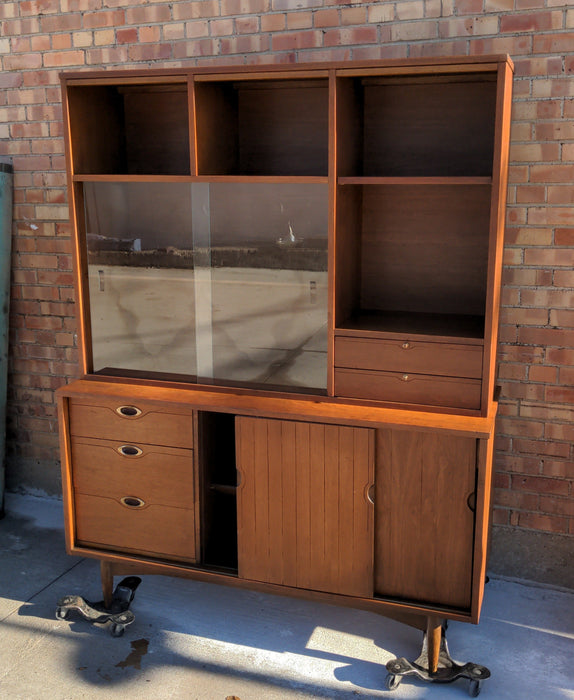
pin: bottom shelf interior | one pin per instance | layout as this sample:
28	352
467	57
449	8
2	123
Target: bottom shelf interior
409	323
219	485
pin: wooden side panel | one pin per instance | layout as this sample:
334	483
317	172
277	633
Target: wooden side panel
424	525
497	222
304	517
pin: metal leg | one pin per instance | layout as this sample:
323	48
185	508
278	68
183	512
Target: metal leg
435	664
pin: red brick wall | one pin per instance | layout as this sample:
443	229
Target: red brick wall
535	460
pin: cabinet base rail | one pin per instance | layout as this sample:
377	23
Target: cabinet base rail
435	664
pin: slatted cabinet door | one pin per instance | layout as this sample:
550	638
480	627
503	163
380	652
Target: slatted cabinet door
424	517
304	515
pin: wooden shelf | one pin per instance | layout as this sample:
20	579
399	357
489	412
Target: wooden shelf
418	180
424	326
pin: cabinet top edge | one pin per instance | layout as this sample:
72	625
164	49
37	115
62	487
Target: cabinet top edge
487	63
292	407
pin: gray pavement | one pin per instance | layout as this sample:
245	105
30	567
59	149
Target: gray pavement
198	641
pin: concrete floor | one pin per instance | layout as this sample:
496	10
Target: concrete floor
197	641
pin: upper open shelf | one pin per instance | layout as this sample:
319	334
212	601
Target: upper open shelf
421	126
262	127
129	129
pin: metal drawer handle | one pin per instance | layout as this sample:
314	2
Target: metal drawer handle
128	411
405	377
406	346
130	451
132	502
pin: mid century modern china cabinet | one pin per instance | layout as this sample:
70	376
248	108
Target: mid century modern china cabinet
287	288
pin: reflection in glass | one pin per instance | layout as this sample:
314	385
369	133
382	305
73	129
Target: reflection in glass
140	269
261	283
222	283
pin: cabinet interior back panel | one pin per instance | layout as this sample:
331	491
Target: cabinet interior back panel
429	128
425	248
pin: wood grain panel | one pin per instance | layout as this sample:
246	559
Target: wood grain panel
425	248
155	425
304	518
424	526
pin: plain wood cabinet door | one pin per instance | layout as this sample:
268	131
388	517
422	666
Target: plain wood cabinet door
425	485
305	518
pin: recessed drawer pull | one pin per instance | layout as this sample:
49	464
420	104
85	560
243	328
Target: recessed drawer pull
130	451
129	411
132	502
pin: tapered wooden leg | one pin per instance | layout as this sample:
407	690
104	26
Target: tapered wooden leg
107	583
434	636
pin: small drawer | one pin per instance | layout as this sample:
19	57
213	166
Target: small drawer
408	388
146	528
131	421
107	468
405	355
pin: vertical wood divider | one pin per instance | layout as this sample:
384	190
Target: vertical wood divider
332	233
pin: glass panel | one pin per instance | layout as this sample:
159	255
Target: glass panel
140	268
261	283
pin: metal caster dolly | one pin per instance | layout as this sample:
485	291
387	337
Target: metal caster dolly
118	613
435	665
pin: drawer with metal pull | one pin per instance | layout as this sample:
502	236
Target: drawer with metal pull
131	524
131	421
113	469
403	387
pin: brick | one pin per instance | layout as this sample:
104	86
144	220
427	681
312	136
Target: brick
200	9
553	216
541	485
173	32
381	12
562	468
546	375
553	43
296	40
526	428
276	22
149	52
514	45
295	20
531	22
196	29
564	236
534	152
549	257
410	10
253	7
556	337
353	15
26	61
413	31
515	499
51	24
127	36
345	37
552	173
283	4
144	15
64	58
557	506
543	522
560	194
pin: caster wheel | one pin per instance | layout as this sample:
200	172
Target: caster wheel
392	682
117	630
61	614
474	688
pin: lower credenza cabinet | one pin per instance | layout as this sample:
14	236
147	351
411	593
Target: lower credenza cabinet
383	513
